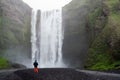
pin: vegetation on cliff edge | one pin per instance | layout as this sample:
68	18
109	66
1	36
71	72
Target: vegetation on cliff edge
104	51
4	63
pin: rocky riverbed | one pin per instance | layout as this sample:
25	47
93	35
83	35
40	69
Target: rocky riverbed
56	74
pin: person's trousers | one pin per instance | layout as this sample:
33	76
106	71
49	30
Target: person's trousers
35	70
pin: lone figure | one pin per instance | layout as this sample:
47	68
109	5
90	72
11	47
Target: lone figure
35	66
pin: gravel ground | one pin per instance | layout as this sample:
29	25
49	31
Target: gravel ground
57	74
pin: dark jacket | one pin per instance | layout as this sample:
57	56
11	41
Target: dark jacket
35	64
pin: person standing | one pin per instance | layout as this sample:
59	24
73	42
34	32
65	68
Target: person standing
35	66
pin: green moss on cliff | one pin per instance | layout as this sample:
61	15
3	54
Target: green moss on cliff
104	52
4	63
96	22
112	4
7	36
93	16
14	24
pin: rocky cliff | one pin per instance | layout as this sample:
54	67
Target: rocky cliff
77	35
14	29
104	50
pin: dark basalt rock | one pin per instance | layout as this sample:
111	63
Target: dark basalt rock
16	65
55	74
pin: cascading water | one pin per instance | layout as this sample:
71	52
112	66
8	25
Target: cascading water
51	38
47	34
33	34
47	44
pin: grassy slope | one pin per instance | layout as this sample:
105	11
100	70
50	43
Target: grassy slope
14	29
4	63
105	49
14	23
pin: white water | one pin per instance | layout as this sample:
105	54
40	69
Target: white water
51	38
47	37
33	34
47	43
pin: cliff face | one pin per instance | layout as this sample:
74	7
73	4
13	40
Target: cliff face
14	28
76	36
104	51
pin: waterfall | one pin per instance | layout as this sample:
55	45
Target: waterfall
33	34
47	38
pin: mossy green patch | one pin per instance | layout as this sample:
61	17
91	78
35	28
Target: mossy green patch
4	63
104	51
111	4
13	32
93	16
115	22
96	21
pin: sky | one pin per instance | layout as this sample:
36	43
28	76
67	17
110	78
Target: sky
46	4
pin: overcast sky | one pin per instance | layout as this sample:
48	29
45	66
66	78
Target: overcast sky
46	4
